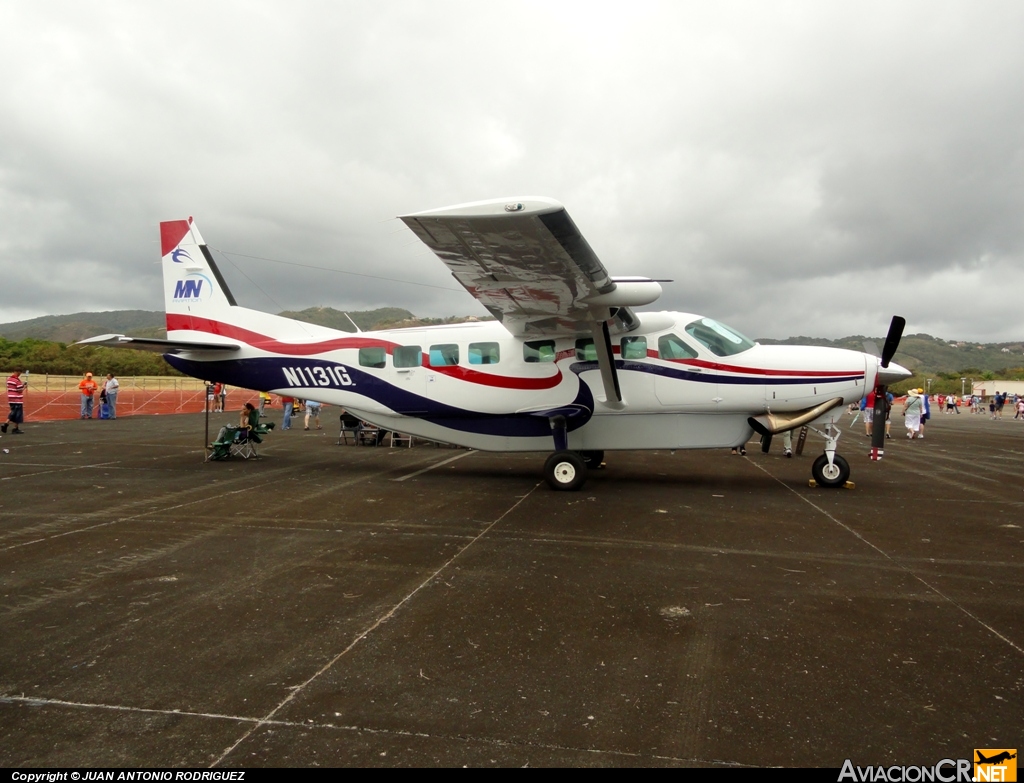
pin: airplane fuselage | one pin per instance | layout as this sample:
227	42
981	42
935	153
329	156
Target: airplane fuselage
477	385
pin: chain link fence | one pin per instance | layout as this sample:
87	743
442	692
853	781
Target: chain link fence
52	397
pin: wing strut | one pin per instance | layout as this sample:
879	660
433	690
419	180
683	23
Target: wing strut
606	363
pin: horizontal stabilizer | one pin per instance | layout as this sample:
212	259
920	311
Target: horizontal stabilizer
154	344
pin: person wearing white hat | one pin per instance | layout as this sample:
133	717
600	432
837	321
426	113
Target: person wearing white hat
912	410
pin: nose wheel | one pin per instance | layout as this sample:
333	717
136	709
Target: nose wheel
831	475
830	470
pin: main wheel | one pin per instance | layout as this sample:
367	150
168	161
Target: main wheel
831	476
593	459
565	471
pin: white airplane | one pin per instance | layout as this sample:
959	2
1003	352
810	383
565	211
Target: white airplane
568	367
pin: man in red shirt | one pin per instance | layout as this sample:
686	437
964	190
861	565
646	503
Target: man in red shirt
16	399
289	404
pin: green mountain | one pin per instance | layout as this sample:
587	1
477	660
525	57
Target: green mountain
150	323
336	319
78	326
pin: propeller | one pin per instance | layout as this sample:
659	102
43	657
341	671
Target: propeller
892	340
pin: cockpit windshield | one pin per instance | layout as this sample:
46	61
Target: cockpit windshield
718	338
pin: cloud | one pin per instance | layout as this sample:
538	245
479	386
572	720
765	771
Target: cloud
797	168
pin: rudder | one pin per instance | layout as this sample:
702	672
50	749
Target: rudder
193	285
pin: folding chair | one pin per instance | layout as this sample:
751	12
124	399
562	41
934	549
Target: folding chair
350	425
398	438
221	448
245	444
370	434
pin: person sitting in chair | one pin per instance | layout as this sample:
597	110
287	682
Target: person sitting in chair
248	419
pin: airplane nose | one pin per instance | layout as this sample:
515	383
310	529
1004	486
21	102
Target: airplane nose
892	374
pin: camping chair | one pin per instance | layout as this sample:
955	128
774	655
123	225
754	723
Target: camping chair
350	425
246	442
239	442
221	448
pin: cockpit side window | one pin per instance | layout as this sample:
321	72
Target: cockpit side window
718	338
672	347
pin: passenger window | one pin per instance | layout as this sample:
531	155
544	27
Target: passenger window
539	351
484	353
372	357
633	347
586	351
672	347
408	356
446	355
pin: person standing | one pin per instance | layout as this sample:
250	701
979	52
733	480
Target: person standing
264	401
217	407
912	410
16	400
289	404
313	410
867	405
87	388
927	413
223	397
111	387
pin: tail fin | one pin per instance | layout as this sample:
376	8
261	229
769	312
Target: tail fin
193	285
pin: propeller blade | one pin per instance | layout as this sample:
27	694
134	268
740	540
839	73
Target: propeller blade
892	340
872	348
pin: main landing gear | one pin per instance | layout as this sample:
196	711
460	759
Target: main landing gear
830	470
567	470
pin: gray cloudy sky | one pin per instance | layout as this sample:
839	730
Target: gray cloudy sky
771	158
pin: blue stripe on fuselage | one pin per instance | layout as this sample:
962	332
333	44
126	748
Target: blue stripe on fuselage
707	377
270	373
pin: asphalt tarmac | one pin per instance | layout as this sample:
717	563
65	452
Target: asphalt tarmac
342	605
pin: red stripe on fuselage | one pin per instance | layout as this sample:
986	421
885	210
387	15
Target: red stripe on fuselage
758	370
264	343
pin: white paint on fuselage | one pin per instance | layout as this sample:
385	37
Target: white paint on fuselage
659	411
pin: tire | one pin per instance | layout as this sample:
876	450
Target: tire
565	471
592	459
830	477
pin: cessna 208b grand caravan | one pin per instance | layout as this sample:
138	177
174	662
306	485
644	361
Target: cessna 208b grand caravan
568	367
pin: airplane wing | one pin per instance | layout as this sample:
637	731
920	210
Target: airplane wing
528	264
154	344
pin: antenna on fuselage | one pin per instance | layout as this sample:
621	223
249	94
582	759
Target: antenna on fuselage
352	322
